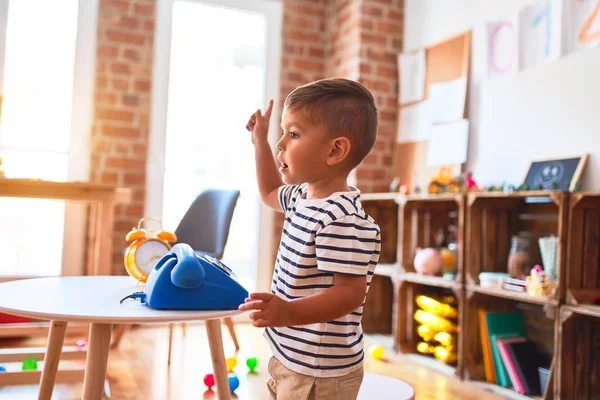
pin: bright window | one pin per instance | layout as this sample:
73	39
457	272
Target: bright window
216	75
39	65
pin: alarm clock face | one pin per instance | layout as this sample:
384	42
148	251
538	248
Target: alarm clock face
148	254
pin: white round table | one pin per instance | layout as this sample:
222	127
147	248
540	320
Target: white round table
375	386
95	300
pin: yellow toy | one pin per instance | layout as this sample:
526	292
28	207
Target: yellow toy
445	355
426	332
231	362
442	353
433	321
376	352
425	348
146	249
439	183
445	339
435	307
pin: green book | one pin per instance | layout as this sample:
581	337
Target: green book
500	325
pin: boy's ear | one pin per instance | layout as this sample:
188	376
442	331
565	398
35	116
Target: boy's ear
339	150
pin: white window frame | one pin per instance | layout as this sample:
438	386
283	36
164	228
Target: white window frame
75	232
155	167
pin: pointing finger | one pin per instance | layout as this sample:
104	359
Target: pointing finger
269	109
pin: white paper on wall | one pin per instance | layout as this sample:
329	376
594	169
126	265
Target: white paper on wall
582	20
448	143
540	33
447	100
503	47
415	123
411	75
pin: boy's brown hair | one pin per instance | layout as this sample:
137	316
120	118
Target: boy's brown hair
344	107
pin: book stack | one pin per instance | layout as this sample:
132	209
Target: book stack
517	285
510	359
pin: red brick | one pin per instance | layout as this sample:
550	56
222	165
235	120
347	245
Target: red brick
119	68
304	37
140	149
135	178
101	82
131	54
396	15
309	65
149	26
135	211
140	70
114	5
124	226
109	178
372	11
387	72
121	148
301	7
105	98
368	173
120	131
120	84
369	38
141	9
316	52
127	22
114	115
138	195
130	100
108	51
125	163
389	27
122	37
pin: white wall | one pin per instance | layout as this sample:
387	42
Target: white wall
538	113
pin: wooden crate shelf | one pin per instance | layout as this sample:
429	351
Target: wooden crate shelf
421	218
384	210
564	325
378	310
435	281
583	255
578	353
541	328
405	327
494	218
512	295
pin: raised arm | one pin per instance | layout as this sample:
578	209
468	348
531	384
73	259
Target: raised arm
267	173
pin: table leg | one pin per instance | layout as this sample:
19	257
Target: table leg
97	359
215	341
104	231
56	338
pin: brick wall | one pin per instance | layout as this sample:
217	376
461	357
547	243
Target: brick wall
356	39
122	107
381	34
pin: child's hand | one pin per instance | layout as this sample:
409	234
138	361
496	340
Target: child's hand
258	124
273	311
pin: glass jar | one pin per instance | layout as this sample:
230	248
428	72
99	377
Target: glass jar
519	257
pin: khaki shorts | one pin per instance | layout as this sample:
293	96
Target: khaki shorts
285	384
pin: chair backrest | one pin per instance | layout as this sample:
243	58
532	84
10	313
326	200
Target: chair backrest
205	225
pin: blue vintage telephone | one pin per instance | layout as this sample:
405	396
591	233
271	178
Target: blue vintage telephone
182	280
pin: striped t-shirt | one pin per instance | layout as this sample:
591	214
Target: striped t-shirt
320	237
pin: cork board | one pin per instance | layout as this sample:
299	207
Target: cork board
445	61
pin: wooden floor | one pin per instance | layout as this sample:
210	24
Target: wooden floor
138	368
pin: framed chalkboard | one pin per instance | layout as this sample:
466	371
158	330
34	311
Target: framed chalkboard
561	173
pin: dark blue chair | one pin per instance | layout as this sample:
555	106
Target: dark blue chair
205	227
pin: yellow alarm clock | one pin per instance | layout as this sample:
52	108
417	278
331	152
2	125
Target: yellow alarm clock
146	249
